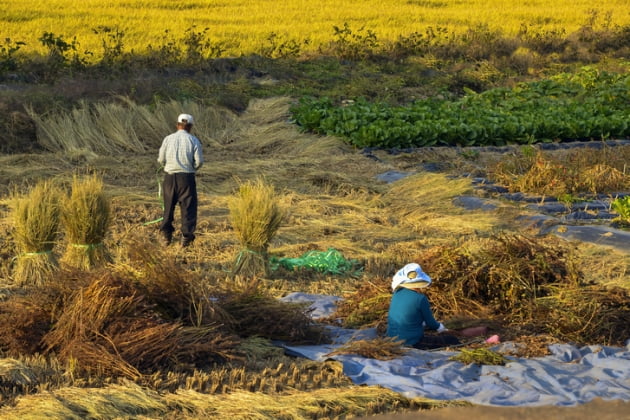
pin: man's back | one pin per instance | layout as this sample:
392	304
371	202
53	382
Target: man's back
180	152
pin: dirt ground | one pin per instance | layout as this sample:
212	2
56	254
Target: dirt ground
597	409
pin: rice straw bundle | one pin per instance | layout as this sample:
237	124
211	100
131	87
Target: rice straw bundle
36	225
86	216
256	216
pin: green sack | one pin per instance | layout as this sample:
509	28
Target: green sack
330	261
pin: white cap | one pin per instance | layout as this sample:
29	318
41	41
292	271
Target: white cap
185	118
411	274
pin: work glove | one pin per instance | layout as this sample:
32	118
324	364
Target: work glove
442	328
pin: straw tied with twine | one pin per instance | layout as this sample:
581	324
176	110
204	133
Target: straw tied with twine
256	216
37	217
86	217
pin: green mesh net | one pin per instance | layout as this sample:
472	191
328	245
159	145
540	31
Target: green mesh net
330	261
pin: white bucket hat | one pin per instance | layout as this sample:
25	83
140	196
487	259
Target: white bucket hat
411	276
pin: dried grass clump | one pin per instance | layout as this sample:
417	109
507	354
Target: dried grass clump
24	320
365	307
381	348
129	400
255	313
545	177
529	345
603	178
586	314
36	219
503	274
336	403
578	172
480	356
109	327
86	218
174	291
15	374
514	269
510	281
255	215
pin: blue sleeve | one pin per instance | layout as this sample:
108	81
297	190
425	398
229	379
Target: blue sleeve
427	314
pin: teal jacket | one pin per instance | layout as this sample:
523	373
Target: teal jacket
407	311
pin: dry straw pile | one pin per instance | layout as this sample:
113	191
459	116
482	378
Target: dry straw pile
36	218
111	327
572	172
86	217
513	283
144	315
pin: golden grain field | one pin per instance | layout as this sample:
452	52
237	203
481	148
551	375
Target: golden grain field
244	26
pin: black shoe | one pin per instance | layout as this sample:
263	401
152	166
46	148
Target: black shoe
166	239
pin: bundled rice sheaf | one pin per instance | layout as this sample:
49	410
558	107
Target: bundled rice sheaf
86	217
17	377
36	219
256	215
129	400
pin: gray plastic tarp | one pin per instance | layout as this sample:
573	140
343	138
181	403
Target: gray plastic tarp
571	375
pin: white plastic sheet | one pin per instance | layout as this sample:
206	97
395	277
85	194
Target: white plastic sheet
569	376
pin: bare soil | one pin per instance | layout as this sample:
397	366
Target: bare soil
597	409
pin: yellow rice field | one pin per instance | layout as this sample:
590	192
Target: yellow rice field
243	26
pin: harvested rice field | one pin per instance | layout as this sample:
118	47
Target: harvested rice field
141	330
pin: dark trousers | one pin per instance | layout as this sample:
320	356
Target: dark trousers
429	342
180	188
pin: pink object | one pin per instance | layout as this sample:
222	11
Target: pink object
493	339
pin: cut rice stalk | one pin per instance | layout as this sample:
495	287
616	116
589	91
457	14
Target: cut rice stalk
36	224
86	217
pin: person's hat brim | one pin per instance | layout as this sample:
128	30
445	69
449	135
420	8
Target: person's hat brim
416	284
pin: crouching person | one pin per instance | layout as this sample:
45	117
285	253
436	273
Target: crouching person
410	312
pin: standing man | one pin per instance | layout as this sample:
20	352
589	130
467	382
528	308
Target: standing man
181	156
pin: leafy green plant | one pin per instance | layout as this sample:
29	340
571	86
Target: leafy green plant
621	206
353	45
163	53
198	47
470	154
62	55
277	47
568	198
585	106
8	61
113	45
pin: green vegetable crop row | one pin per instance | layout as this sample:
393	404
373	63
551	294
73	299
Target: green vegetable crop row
568	107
